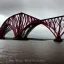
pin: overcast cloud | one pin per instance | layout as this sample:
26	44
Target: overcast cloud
8	7
37	8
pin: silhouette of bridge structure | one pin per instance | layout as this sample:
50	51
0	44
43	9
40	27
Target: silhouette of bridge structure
22	24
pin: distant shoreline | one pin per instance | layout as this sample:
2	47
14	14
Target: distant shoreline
28	39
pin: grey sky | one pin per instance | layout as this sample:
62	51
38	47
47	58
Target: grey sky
37	8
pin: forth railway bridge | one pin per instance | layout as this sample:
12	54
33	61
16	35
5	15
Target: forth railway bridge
22	24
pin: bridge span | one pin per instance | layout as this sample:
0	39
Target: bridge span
22	24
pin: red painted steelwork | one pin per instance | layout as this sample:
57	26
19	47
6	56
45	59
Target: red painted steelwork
55	25
20	21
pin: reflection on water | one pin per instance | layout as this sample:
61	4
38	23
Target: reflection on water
31	51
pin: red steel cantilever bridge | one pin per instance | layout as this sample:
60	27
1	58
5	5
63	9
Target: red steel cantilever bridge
22	24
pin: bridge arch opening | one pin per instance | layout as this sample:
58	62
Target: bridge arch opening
62	36
10	34
8	31
41	32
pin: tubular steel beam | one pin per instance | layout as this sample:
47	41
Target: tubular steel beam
20	21
56	26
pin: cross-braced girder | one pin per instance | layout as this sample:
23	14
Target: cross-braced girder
18	23
55	25
22	24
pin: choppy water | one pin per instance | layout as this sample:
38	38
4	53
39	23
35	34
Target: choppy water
31	52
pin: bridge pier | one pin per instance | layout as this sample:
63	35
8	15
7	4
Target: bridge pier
1	34
2	37
58	39
20	38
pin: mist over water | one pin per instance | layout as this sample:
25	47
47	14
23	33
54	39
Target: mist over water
31	51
